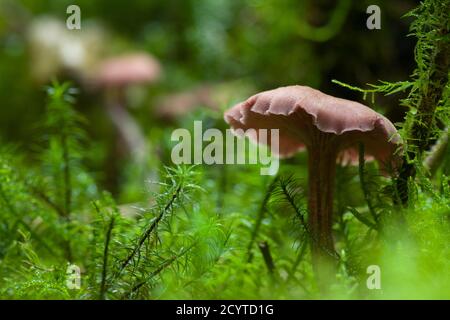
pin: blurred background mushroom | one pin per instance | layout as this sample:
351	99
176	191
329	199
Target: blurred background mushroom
179	104
57	51
114	77
214	97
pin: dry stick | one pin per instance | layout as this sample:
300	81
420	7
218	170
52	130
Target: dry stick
148	232
265	250
363	182
105	258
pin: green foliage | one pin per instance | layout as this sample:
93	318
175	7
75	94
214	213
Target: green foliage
178	245
385	87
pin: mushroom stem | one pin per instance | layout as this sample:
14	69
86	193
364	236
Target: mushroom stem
128	129
321	174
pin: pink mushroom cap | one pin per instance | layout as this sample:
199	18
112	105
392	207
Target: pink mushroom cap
180	104
302	114
129	69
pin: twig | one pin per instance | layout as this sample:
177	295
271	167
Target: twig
265	250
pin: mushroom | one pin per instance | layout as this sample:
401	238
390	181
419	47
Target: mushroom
211	96
135	68
117	74
329	129
55	50
179	104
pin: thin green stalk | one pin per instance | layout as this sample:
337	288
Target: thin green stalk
300	256
48	201
148	232
67	182
105	258
24	224
259	218
161	268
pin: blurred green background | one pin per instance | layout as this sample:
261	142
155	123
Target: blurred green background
234	48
